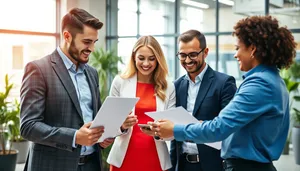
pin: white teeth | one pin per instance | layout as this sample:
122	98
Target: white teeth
86	53
146	69
189	65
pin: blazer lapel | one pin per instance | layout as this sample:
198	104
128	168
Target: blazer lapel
129	89
63	74
88	73
204	88
183	92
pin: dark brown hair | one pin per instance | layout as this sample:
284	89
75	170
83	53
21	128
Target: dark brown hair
76	18
274	45
190	35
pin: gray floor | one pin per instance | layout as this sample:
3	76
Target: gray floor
285	163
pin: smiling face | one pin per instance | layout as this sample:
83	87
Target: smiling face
79	48
195	66
145	62
245	57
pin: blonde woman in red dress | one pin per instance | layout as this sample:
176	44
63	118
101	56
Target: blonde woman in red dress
146	78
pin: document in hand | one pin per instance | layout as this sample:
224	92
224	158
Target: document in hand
180	116
112	114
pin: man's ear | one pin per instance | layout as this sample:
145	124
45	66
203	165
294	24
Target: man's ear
206	52
67	36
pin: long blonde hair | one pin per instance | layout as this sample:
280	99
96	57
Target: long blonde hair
160	72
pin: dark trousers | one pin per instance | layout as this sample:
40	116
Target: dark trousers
92	164
185	165
246	165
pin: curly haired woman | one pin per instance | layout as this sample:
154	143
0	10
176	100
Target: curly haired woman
253	127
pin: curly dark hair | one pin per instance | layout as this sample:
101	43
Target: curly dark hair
274	45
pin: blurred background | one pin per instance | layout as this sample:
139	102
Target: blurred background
29	30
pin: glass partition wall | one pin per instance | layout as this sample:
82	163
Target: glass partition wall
166	19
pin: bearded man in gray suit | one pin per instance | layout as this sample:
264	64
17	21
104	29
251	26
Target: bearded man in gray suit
59	99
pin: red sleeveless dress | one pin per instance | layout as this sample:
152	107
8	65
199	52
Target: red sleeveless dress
141	154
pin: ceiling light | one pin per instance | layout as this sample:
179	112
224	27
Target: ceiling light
226	2
195	4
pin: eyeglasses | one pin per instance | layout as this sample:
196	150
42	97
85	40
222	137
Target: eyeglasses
192	55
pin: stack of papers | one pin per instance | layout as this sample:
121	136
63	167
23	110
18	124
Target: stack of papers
179	116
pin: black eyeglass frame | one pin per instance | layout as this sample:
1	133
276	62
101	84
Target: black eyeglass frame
189	55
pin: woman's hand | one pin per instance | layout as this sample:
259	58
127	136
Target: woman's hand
106	142
129	122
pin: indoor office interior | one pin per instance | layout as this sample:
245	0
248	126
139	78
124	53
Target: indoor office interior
30	29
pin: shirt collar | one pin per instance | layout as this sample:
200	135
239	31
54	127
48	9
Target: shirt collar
68	63
199	77
258	68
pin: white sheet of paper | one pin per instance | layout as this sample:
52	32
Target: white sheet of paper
112	114
179	115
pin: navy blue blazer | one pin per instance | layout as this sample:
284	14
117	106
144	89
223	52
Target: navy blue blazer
216	91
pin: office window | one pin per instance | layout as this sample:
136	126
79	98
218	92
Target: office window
230	14
125	46
127	17
227	63
17	50
157	17
199	15
29	15
168	47
288	14
27	32
130	19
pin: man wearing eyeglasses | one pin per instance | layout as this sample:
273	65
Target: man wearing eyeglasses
204	93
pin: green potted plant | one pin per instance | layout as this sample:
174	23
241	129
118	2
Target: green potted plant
296	132
106	64
9	113
291	78
17	141
292	86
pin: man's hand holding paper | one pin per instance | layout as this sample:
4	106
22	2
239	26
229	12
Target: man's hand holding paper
88	137
112	114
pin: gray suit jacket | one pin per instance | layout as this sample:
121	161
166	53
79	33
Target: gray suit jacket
50	114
